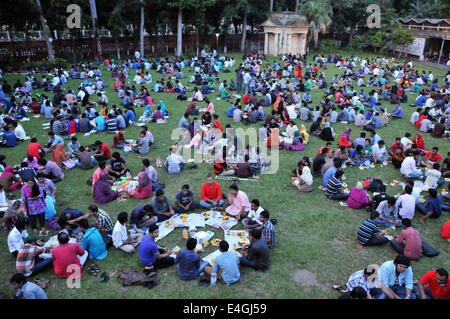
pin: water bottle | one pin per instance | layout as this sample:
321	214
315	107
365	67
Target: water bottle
128	175
185	234
213	278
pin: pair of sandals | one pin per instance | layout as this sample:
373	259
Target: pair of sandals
42	282
104	278
153	283
204	282
93	270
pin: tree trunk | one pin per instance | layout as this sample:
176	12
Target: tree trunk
296	6
117	47
271	5
197	41
180	32
141	32
316	38
51	56
350	39
244	31
95	26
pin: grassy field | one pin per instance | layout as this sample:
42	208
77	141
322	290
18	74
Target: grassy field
313	233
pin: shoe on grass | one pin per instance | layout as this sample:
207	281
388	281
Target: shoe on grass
343	204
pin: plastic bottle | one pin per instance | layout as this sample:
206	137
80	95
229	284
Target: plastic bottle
128	176
185	234
213	278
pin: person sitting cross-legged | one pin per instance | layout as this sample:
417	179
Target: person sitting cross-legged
369	234
334	188
28	261
396	279
258	252
68	259
185	201
92	240
408	242
225	266
188	262
121	239
151	255
211	194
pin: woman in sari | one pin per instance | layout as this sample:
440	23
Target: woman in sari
102	192
358	197
144	189
345	140
59	155
8	179
33	203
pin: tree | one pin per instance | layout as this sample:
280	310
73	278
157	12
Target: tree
51	55
179	5
318	16
141	29
95	25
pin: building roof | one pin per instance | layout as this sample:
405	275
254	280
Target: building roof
420	21
286	18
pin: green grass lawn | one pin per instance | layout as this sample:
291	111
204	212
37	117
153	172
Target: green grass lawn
313	233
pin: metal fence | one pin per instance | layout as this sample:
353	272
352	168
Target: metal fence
79	49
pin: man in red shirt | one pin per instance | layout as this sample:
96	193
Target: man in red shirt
394	146
328	146
35	149
434	284
211	194
433	156
68	259
103	152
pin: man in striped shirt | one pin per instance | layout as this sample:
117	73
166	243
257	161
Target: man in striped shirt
369	234
334	188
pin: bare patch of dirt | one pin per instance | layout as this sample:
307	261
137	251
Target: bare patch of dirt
308	278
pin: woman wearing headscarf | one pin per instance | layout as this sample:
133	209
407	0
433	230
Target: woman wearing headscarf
274	138
327	133
102	190
304	133
59	155
8	179
418	140
345	140
358	197
144	189
297	143
304	180
33	203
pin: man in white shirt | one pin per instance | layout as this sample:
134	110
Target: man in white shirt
432	177
406	141
252	219
409	166
18	130
379	152
415	116
406	204
120	237
15	237
425	125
